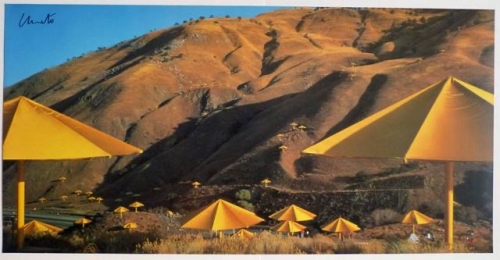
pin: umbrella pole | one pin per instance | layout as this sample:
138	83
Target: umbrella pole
20	203
449	204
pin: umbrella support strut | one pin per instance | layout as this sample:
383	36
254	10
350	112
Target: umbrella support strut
20	203
449	204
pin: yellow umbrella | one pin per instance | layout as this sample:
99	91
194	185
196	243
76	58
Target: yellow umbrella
64	197
60	136
288	226
243	233
35	227
340	225
135	205
416	218
196	184
83	221
266	181
130	226
448	121
220	215
121	210
293	213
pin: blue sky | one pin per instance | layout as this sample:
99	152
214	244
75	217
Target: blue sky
78	29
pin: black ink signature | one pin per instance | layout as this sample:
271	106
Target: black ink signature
28	21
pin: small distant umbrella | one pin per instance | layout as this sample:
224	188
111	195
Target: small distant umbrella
91	198
294	125
77	192
266	181
62	178
118	200
170	213
288	226
99	199
157	189
36	227
42	199
280	135
64	197
243	233
136	195
416	218
121	210
89	193
130	226
283	148
135	205
196	184
302	127
83	221
340	226
129	193
293	213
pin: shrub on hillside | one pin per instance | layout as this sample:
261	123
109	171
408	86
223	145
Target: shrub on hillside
385	216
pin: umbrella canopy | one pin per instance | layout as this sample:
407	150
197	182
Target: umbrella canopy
220	215
243	233
288	226
448	121
293	213
340	225
83	221
56	137
58	134
36	227
120	210
130	225
136	205
415	217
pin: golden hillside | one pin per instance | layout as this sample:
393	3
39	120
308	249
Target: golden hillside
213	99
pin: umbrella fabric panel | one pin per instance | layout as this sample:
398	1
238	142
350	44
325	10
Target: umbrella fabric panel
459	127
390	131
27	126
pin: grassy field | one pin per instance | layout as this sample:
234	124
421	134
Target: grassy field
79	241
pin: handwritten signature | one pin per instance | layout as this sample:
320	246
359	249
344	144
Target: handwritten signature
29	21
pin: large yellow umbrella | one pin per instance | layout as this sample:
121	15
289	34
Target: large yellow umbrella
340	225
448	121
36	227
416	218
293	213
288	226
32	131
220	215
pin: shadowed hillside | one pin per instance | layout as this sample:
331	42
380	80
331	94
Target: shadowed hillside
214	99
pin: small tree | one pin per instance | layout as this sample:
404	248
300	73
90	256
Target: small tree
244	196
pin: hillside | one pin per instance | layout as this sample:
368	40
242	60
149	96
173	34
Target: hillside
212	100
